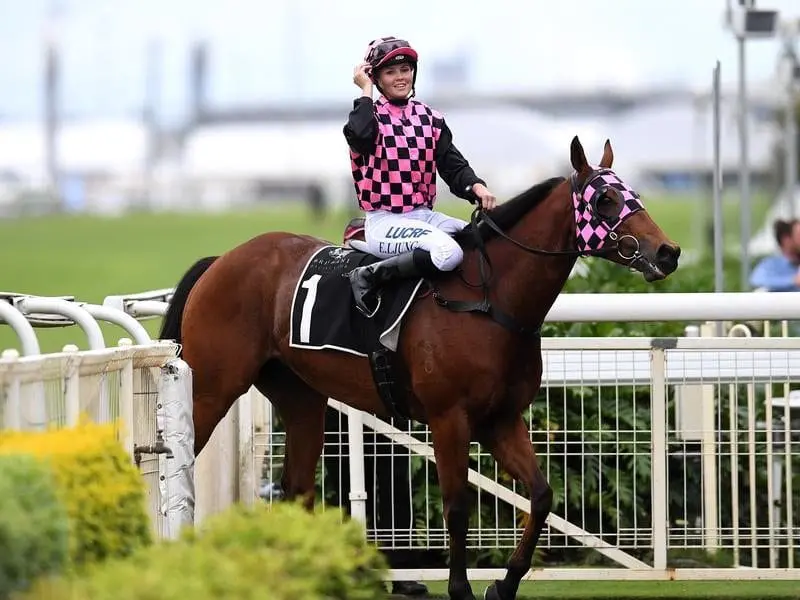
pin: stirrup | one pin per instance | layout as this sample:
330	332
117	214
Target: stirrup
367	314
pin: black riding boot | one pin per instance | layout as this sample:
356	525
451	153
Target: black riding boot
365	281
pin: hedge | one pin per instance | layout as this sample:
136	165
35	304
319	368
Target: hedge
33	524
280	552
102	490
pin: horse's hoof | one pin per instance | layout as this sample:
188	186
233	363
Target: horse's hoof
491	593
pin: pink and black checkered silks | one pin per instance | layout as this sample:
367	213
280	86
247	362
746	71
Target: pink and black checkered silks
401	174
591	228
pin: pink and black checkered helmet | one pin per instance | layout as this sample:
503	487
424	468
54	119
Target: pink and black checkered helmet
387	51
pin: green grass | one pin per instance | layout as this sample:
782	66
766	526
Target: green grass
93	257
587	590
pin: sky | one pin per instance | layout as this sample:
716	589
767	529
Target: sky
304	50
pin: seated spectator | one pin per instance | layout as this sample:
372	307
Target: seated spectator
779	272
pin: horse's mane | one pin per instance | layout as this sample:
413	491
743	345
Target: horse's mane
507	214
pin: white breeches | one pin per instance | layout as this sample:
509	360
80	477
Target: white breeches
388	234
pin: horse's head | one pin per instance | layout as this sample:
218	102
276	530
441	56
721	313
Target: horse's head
609	210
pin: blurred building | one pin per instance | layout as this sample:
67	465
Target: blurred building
237	156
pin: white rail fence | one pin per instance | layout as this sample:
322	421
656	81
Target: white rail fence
703	428
142	388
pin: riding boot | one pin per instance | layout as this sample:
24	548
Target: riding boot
365	281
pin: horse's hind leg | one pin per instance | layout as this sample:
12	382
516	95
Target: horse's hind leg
302	411
510	445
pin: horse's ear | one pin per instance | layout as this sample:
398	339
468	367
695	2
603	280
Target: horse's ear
577	156
608	156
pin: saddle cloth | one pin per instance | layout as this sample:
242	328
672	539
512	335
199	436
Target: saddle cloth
324	314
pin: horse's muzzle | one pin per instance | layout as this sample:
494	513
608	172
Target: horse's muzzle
667	258
664	262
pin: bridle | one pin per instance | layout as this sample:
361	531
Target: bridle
592	229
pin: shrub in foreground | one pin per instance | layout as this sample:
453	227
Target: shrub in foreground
280	552
33	524
95	479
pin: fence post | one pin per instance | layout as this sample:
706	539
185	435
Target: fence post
355	442
12	412
658	412
248	491
176	467
72	386
708	442
126	412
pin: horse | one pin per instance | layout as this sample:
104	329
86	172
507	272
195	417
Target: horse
469	343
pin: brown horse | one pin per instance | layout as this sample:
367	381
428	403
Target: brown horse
470	374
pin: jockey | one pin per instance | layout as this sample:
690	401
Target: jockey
397	144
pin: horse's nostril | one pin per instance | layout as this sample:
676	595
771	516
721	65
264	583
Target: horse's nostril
667	256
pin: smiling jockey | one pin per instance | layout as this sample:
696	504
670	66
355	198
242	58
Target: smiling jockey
397	145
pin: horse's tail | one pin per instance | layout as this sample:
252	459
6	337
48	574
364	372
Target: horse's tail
171	326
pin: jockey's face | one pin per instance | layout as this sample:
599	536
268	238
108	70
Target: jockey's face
395	81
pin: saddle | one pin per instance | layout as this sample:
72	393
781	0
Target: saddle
324	319
354	235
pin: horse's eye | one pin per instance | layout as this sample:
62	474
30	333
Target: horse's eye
608	204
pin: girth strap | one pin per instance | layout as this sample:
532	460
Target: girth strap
485	307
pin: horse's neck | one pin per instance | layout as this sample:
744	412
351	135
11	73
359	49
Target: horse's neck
528	284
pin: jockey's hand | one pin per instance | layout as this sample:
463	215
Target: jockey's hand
361	77
485	197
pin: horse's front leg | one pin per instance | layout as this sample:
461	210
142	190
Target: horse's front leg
511	447
451	438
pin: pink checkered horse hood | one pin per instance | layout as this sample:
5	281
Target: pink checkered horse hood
593	224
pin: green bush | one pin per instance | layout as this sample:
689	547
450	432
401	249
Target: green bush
97	482
316	546
179	571
33	524
260	553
